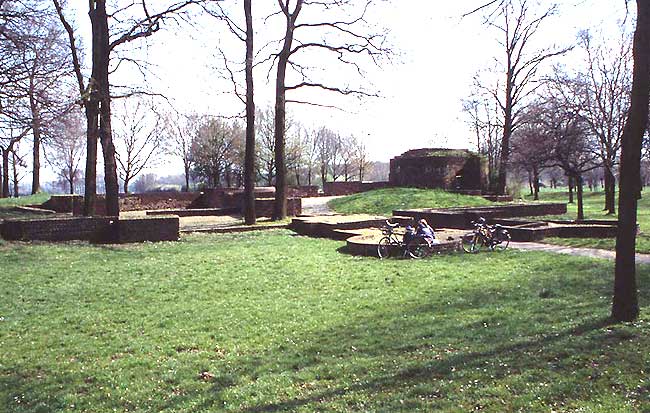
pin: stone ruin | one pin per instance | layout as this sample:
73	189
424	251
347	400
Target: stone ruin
449	169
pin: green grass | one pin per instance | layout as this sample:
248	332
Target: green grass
269	321
7	205
24	200
593	208
384	201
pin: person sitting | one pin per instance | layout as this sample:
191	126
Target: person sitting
409	234
426	232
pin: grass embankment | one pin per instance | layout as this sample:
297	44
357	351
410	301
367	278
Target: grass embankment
7	204
593	208
384	201
266	321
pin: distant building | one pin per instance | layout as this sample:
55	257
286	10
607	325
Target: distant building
450	169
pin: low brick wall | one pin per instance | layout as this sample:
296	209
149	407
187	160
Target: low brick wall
62	203
462	217
157	200
351	187
303	191
264	207
92	229
160	228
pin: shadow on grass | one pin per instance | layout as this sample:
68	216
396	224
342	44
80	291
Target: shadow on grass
429	353
443	369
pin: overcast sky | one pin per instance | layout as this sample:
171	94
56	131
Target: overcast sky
421	90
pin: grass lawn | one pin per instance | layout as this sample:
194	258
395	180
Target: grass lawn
384	201
593	207
270	321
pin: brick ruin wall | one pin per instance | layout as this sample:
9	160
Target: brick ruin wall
92	229
351	187
438	172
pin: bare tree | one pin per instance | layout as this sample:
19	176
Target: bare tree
132	22
518	26
487	126
606	102
625	305
138	138
65	149
180	130
532	148
245	35
361	158
349	40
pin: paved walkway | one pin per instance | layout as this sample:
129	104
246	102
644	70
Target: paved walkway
583	252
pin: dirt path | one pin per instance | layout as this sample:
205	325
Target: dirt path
583	252
317	205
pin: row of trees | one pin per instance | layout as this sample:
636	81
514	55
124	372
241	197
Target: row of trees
578	121
42	60
591	100
214	152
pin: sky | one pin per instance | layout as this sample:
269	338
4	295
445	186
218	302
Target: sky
421	88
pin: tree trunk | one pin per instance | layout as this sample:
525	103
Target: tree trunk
610	191
36	133
249	156
280	205
625	305
15	173
5	173
101	56
126	186
570	182
507	132
530	184
535	184
581	211
187	178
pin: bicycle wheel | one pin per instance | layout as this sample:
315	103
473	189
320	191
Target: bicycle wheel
471	242
383	247
418	248
501	241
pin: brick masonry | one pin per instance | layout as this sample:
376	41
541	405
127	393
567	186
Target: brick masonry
351	187
462	217
93	229
449	169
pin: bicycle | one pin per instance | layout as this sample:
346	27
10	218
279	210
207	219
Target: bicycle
416	248
495	237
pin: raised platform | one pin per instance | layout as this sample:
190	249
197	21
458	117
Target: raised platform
461	218
364	242
363	232
329	226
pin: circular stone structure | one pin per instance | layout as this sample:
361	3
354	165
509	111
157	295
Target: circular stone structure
365	243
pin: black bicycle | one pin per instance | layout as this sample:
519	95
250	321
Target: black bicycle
418	247
494	237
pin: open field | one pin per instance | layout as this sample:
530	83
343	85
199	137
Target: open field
270	321
384	201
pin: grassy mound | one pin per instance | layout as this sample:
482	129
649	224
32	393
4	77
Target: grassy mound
384	201
24	200
7	205
269	322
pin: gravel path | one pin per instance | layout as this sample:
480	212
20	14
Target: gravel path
583	252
